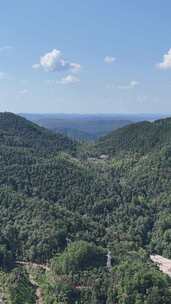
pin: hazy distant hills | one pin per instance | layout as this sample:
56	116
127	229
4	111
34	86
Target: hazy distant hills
79	127
83	129
86	127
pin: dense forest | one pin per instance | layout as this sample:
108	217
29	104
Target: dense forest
90	213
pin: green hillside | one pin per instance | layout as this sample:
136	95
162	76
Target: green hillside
16	131
140	137
67	211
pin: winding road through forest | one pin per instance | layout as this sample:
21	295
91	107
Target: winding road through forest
39	292
163	264
28	266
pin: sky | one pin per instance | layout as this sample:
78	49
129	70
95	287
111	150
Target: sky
93	56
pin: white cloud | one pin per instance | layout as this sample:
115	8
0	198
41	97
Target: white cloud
69	79
54	62
5	49
109	59
166	63
130	85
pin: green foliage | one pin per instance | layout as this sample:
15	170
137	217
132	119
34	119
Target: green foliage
6	257
79	256
15	288
62	293
137	282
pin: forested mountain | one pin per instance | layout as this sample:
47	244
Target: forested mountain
16	131
140	137
65	207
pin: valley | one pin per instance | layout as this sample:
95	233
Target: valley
64	206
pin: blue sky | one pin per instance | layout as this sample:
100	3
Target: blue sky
90	56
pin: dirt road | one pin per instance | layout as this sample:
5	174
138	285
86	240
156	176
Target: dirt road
163	263
33	265
39	297
29	265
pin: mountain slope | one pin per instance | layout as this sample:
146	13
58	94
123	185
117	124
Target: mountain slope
16	131
141	137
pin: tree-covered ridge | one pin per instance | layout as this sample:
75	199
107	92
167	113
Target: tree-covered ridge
70	211
141	137
16	131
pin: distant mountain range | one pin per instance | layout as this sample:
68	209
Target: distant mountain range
86	127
